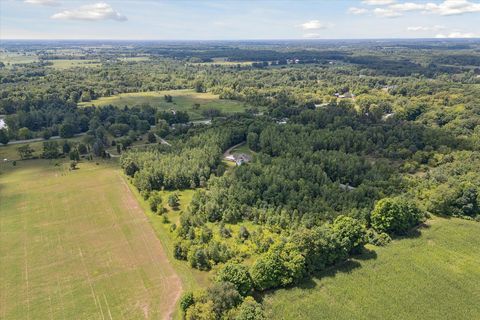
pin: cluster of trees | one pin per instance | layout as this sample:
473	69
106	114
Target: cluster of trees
187	165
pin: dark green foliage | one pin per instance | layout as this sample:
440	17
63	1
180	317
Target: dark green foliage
151	137
25	151
186	300
51	150
281	266
155	202
238	275
395	216
4	138
173	201
224	296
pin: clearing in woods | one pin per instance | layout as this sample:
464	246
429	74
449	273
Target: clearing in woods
77	245
183	100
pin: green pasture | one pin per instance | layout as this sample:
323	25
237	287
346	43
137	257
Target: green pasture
183	100
433	276
77	245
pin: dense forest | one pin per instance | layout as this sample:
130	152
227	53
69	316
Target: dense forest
345	145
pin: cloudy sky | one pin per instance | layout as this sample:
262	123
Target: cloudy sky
241	19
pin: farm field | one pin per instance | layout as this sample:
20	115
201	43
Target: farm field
10	58
77	245
183	100
434	276
62	64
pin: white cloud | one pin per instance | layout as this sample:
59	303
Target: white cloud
97	11
312	36
43	2
407	6
453	7
445	8
458	35
426	28
354	10
314	25
377	2
386	13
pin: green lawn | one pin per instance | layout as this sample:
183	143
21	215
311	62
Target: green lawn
76	245
434	276
183	100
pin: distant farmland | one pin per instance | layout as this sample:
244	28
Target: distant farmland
183	100
76	245
434	276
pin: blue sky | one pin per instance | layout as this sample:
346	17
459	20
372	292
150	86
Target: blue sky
241	19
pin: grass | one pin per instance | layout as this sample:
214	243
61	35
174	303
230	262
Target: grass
243	149
192	279
12	58
433	276
10	151
183	100
76	245
62	64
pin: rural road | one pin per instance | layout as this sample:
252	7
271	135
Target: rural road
41	139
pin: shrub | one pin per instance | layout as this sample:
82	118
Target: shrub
186	301
250	310
238	275
282	265
155	202
395	216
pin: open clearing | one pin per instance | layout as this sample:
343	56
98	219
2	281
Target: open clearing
62	64
434	276
77	245
12	58
183	100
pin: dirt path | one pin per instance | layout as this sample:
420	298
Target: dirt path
172	283
229	150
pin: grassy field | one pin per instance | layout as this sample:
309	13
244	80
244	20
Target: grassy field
434	276
192	279
76	245
62	64
10	151
183	100
11	58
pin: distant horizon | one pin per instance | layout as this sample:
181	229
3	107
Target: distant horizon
240	40
247	20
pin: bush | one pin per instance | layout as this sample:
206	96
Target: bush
155	202
238	275
250	310
186	301
282	265
224	297
378	239
350	232
395	216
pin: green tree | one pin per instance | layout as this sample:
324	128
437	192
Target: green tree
151	137
173	200
250	310
66	130
395	216
4	138
25	152
238	275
